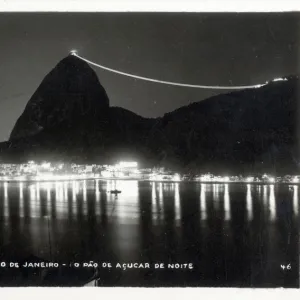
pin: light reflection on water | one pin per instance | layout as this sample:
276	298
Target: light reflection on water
203	202
126	204
6	206
74	191
38	191
249	203
48	188
154	202
65	191
21	207
216	195
227	203
84	192
85	216
97	191
272	203
295	200
161	202
265	195
177	202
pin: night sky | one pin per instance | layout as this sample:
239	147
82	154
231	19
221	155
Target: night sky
212	49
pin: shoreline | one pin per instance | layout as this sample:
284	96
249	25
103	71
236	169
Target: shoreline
15	180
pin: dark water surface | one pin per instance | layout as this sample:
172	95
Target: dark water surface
233	234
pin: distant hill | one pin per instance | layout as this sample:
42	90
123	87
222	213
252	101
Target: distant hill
69	118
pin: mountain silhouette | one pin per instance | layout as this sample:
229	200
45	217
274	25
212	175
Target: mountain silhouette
68	93
69	119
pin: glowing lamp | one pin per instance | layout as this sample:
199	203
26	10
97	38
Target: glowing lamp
176	177
73	52
156	177
279	79
128	164
225	179
205	178
45	165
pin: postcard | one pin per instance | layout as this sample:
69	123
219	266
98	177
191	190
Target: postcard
149	149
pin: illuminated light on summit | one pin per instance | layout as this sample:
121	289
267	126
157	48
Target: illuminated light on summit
279	79
260	85
274	80
295	180
73	52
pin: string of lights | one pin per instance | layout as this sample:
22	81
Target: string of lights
211	87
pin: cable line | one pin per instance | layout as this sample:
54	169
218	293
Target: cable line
211	87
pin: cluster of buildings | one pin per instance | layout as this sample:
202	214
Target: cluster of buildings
122	170
265	178
55	171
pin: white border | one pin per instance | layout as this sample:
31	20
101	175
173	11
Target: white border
150	6
147	293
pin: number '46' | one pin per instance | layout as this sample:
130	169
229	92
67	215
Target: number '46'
287	267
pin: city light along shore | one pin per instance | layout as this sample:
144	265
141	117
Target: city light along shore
124	170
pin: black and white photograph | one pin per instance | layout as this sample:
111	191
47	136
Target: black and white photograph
149	149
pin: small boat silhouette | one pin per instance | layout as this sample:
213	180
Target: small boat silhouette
115	192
